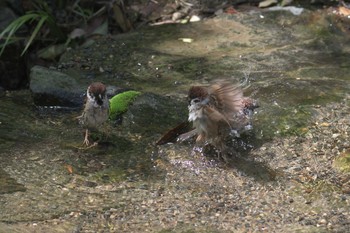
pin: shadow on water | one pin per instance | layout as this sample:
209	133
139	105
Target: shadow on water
241	160
260	171
247	164
8	184
113	160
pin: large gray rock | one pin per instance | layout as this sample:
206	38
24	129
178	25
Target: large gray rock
54	88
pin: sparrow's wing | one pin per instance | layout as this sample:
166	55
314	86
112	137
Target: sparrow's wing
226	98
214	115
186	136
212	124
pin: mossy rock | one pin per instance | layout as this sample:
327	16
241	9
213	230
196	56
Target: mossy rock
119	103
342	162
152	114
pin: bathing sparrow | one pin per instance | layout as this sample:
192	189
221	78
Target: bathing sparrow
216	111
96	110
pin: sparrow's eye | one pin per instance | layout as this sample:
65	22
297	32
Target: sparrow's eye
196	100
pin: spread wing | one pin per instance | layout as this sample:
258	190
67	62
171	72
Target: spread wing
213	114
209	128
227	99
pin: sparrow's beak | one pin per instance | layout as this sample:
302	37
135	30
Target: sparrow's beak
99	99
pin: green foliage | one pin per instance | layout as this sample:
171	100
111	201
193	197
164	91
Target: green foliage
41	17
59	24
84	13
119	103
44	26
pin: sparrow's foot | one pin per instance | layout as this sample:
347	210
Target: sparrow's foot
92	145
86	141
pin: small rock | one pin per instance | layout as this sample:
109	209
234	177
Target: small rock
195	18
90	184
322	221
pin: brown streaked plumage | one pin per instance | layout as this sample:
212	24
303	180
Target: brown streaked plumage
215	111
212	111
96	110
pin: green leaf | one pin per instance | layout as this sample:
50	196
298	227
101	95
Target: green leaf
31	16
119	103
11	29
35	32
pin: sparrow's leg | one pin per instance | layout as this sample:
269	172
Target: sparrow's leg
221	149
87	142
86	139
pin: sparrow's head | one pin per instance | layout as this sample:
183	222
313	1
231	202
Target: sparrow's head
197	94
96	93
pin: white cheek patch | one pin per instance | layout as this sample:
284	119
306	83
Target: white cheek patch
192	116
194	112
88	94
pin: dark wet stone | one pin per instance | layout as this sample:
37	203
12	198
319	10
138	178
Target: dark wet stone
6	17
113	90
13	68
53	88
2	91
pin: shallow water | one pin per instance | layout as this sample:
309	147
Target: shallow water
288	63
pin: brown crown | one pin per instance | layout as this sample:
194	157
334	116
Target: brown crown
197	92
97	88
